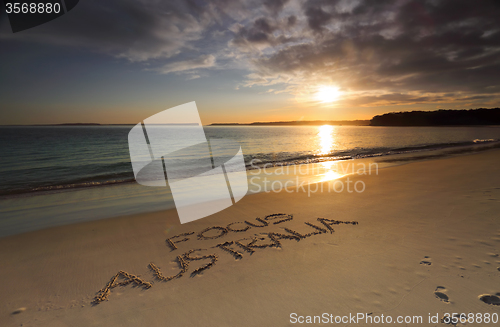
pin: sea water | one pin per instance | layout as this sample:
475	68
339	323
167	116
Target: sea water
54	175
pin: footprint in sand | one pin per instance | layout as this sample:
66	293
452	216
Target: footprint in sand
490	299
440	294
427	261
18	311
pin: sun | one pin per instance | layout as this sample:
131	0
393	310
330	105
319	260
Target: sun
327	94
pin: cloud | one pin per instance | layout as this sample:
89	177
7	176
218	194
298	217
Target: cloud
259	32
383	51
274	6
188	65
317	18
193	77
389	47
137	30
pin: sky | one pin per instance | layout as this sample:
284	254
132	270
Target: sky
121	61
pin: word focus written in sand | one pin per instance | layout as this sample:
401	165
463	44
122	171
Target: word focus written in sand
233	248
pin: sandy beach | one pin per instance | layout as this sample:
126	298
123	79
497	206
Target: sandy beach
423	239
264	163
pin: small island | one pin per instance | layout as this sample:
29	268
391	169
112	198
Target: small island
300	123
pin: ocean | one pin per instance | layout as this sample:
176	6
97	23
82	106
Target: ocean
43	166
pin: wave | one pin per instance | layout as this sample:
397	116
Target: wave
263	159
106	175
101	180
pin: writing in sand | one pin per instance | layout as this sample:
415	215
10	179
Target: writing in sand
233	248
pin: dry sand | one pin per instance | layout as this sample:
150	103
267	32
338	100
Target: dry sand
427	242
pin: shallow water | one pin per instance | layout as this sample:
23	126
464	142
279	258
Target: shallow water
45	158
62	175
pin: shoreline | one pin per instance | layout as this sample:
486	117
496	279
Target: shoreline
56	183
72	205
427	242
447	152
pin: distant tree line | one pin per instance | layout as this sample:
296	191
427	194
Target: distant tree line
480	116
300	123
